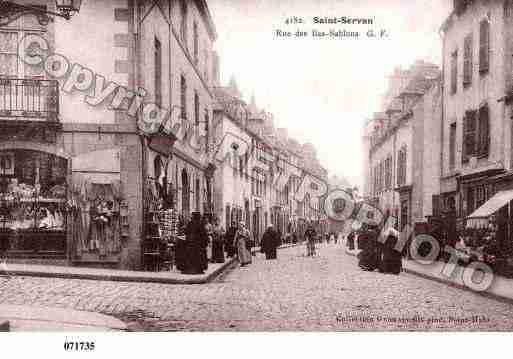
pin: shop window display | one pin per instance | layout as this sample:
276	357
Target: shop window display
33	202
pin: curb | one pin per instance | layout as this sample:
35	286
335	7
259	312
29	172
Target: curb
121	278
452	284
204	279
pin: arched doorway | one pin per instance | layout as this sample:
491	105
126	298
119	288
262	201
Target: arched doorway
186	198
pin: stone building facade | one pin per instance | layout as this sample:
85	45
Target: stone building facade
84	133
477	132
402	166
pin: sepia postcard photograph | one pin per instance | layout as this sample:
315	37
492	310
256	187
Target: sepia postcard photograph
242	166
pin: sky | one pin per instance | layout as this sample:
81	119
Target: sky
323	90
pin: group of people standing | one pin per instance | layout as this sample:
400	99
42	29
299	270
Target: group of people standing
377	252
206	240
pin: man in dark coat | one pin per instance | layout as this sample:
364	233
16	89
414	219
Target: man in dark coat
229	238
270	243
196	261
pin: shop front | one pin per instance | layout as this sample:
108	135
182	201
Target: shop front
34	214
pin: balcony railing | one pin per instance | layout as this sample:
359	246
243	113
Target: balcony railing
29	99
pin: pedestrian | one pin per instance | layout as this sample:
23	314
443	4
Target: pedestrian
230	239
218	242
195	257
270	243
392	257
350	240
332	238
241	243
209	229
311	237
367	258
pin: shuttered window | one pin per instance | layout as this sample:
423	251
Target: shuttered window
469	135
484	46
388	173
183	97
454	72
401	166
452	146
467	61
483	131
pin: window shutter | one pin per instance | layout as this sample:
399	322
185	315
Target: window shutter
469	135
467	60
454	72
436	205
484	46
484	131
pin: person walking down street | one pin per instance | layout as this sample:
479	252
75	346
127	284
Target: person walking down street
218	242
241	243
311	237
350	240
195	258
270	242
230	239
333	238
209	229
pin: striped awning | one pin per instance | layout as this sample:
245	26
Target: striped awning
479	218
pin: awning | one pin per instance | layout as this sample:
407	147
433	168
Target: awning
479	218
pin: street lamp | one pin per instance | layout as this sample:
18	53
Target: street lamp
10	11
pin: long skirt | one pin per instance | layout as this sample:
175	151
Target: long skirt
367	260
392	261
243	253
217	252
270	253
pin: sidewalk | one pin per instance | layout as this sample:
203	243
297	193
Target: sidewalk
501	288
165	277
28	318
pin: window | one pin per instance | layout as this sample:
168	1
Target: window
388	173
207	132
183	96
467	61
205	55
452	146
158	73
197	190
196	44
484	46
183	22
12	65
470	201
469	135
196	110
454	72
401	166
483	132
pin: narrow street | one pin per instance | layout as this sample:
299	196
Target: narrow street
327	292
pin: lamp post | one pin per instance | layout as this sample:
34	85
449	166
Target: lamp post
11	11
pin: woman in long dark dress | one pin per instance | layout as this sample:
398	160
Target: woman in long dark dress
270	243
392	258
229	240
218	243
367	258
196	261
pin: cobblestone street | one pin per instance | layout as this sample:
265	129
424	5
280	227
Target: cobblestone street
327	292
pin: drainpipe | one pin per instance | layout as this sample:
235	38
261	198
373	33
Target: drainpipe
137	83
442	113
